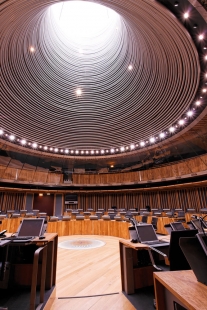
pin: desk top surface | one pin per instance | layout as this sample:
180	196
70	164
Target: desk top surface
137	246
48	237
184	285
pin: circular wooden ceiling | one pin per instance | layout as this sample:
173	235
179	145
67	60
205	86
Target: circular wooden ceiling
138	81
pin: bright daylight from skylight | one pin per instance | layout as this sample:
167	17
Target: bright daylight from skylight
84	23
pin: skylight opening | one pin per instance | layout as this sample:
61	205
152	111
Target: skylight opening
84	22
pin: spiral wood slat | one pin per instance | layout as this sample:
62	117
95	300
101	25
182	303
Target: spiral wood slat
117	106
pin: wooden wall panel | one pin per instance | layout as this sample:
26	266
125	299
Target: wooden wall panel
12	201
26	175
172	170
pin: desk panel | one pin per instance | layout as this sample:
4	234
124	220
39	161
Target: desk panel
90	227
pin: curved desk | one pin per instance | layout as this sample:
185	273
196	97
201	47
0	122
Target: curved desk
74	227
90	227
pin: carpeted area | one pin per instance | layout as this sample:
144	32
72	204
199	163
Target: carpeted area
19	298
142	299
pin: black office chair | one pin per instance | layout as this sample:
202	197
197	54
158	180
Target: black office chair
168	228
144	218
154	222
177	260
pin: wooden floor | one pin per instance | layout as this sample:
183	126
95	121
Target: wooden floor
89	273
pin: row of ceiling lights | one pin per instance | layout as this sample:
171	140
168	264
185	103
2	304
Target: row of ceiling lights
131	147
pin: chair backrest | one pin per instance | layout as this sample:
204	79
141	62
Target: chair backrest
176	257
106	217
80	217
15	215
168	228
53	219
144	218
66	218
154	222
93	217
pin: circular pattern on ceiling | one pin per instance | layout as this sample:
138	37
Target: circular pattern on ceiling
115	106
81	244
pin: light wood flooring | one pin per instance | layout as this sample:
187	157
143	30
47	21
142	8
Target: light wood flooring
89	273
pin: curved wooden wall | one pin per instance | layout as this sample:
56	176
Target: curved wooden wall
187	167
192	197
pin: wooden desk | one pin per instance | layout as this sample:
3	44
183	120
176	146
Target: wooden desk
181	287
134	276
27	273
73	227
162	220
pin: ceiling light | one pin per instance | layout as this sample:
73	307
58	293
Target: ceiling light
87	152
40	194
112	150
92	152
122	148
66	151
51	149
172	129
45	148
82	152
130	67
198	103
34	145
56	150
132	146
12	137
32	49
195	26
102	151
181	122
190	113
72	151
61	150
204	90
205	57
176	3
77	152
152	139
111	166
1	132
142	143
23	141
186	15
201	37
78	92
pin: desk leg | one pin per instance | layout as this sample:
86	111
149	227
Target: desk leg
34	276
43	275
51	263
127	275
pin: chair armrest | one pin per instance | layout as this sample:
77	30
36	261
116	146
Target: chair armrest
167	262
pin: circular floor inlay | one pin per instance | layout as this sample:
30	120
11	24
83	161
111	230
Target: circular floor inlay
81	244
